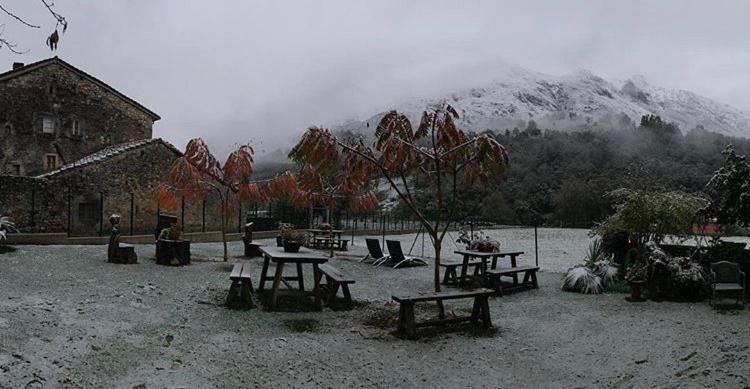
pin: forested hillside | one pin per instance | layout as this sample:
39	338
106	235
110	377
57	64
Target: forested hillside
561	178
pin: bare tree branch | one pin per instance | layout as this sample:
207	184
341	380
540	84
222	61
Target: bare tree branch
14	16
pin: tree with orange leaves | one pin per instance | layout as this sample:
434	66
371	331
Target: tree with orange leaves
326	186
198	173
436	152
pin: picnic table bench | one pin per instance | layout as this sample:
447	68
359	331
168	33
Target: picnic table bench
529	278
479	312
335	279
450	275
240	293
326	242
483	257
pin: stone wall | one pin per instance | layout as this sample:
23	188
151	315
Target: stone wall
56	93
123	184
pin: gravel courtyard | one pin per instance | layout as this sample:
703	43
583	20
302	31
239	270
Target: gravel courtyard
69	319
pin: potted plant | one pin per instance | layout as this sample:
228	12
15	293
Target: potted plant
324	226
282	228
292	239
637	276
476	242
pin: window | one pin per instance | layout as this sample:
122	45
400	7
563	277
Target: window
48	125
87	212
51	161
75	128
16	170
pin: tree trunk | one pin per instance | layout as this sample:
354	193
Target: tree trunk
224	228
330	223
437	245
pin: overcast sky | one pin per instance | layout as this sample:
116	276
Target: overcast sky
239	71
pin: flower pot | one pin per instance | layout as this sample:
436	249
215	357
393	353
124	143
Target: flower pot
291	246
279	241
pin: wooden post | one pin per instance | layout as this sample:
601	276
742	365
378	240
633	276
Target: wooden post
101	213
33	205
382	227
70	210
239	219
132	213
203	217
536	247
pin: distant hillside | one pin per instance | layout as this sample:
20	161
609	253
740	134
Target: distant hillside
577	101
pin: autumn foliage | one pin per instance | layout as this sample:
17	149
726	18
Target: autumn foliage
198	173
436	151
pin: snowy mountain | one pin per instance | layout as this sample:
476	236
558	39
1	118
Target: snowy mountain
576	101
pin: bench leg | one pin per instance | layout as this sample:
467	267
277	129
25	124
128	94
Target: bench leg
263	273
409	325
276	282
246	293
333	288
475	310
316	287
485	308
445	276
464	268
299	277
232	295
347	295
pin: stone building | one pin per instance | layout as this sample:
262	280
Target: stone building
52	113
73	150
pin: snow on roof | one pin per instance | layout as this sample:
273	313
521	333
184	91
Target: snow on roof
109	152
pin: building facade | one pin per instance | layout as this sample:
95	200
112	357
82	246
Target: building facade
52	113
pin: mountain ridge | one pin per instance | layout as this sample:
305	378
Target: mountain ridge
576	101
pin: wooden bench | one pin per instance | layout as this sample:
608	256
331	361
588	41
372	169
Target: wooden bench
335	279
529	278
123	253
240	293
450	275
480	311
323	243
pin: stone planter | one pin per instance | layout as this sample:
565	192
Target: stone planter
636	290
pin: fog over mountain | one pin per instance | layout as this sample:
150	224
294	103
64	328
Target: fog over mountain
581	100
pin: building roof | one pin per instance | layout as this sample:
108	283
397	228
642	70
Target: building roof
54	60
108	153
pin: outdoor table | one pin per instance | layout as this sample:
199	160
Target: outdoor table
278	256
316	232
469	254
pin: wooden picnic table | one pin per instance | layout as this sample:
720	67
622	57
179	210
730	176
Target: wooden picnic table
336	233
484	257
278	256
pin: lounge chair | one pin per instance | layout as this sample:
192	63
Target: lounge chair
375	253
727	277
397	255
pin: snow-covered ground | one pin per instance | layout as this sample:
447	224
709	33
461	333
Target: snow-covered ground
69	319
559	248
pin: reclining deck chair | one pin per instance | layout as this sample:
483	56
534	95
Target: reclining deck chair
397	256
375	253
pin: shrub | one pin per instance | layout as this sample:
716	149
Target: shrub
6	226
583	280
